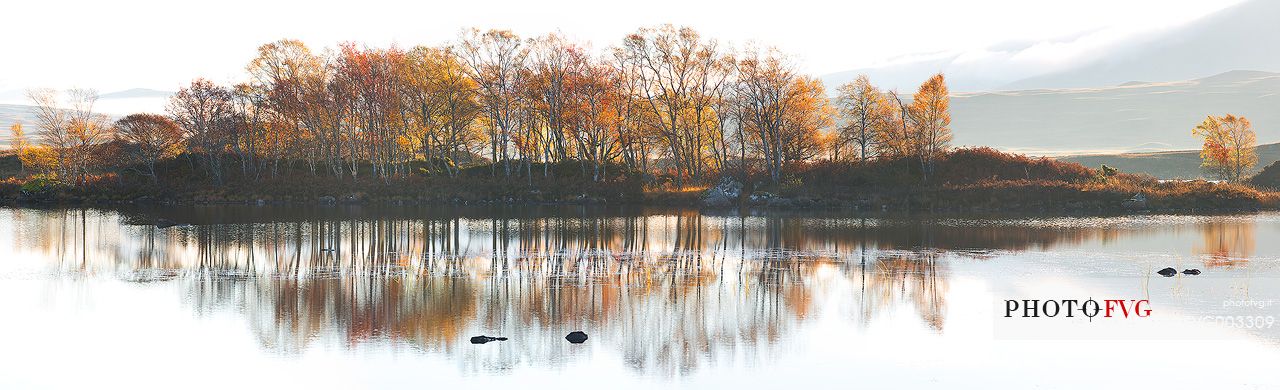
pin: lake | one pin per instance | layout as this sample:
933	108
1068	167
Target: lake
388	297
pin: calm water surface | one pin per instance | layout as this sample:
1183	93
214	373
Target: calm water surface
253	297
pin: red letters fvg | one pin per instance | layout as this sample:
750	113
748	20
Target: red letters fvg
1109	308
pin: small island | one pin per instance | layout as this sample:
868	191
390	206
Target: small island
667	117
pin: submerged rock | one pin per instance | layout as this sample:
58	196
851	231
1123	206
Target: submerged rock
1167	272
164	223
1191	271
484	339
576	337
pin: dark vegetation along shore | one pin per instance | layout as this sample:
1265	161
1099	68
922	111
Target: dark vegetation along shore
986	180
962	180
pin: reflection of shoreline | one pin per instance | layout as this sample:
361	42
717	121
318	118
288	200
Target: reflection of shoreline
668	291
300	244
665	291
664	315
1227	245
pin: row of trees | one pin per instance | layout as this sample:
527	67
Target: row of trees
666	100
72	138
883	124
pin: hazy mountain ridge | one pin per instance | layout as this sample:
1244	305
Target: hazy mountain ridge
1179	164
1124	118
19	96
114	108
136	93
14	113
1238	37
14	107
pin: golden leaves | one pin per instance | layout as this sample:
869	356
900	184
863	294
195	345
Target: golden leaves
1228	148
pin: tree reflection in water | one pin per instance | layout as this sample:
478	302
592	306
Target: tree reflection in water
1226	244
669	290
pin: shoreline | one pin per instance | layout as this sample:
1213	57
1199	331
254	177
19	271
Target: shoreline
801	207
972	180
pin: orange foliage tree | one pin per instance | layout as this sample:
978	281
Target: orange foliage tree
154	137
1229	143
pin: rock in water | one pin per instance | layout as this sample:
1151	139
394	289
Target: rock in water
1191	271
725	194
1167	272
164	223
576	337
1137	202
484	339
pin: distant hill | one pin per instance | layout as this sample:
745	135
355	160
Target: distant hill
136	93
1238	37
1182	164
14	113
1132	117
14	104
906	75
14	107
115	108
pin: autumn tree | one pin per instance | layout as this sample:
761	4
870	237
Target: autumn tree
863	110
54	121
324	111
461	115
206	114
371	82
930	114
895	137
152	137
72	131
1229	146
678	78
275	97
806	117
555	69
765	83
18	144
595	92
730	143
423	91
442	105
495	59
919	128
252	142
635	136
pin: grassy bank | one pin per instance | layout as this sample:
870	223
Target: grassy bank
983	179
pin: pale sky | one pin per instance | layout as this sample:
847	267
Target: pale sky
114	45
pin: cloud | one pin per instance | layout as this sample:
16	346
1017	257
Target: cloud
994	66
